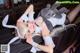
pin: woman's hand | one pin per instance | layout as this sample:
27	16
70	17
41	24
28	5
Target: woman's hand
29	38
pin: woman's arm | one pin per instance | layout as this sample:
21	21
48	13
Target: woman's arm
45	48
73	13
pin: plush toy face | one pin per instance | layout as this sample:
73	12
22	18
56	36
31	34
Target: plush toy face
46	13
49	13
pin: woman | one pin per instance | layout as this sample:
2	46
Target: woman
49	45
31	28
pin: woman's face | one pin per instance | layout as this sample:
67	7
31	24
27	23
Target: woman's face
31	27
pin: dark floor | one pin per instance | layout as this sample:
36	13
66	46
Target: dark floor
6	35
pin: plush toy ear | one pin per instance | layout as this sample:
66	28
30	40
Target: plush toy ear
55	5
5	20
63	10
48	6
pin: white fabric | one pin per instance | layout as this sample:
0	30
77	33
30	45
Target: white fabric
56	21
37	29
48	41
5	20
33	49
15	1
34	44
27	1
